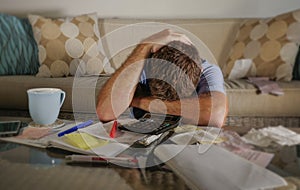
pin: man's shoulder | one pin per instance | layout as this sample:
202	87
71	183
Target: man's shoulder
207	65
211	70
211	78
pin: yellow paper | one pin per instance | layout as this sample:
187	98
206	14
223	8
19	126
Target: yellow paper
84	140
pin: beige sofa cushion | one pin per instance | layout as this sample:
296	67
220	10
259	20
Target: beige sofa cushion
217	35
81	95
80	91
244	100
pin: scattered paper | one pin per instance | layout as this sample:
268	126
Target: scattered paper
234	141
260	158
240	69
110	149
35	132
229	140
116	145
84	140
235	144
204	135
102	131
266	136
217	168
265	85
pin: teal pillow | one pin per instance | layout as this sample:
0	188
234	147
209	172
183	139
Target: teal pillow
18	49
296	70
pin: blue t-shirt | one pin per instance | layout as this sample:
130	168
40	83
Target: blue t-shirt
211	80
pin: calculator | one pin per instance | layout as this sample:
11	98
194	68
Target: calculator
152	124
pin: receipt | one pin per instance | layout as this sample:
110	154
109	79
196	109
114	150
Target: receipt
236	145
265	136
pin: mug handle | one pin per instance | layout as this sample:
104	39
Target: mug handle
62	97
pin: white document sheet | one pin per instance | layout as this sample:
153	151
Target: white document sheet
235	144
102	131
266	136
240	69
116	145
216	168
99	130
260	158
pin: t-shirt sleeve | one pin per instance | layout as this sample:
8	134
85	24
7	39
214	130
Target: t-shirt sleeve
211	79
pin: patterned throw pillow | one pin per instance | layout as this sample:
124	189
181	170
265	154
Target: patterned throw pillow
18	50
68	46
271	44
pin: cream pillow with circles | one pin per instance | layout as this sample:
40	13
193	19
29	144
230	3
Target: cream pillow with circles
69	46
271	44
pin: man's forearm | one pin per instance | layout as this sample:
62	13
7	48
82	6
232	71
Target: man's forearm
204	110
116	95
118	92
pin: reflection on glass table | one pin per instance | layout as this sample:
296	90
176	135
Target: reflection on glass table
24	167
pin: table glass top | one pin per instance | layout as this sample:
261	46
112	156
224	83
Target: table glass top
24	167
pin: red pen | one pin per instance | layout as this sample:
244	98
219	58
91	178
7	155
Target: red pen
113	130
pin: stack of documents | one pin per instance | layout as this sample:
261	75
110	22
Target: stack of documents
93	139
216	168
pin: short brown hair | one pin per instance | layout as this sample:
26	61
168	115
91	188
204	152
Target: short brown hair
173	71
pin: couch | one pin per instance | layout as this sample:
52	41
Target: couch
246	106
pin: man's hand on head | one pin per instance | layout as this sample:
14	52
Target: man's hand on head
164	37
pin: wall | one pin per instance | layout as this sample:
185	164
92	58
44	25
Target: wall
212	37
152	8
200	17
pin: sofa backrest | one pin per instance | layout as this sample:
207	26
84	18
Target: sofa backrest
119	36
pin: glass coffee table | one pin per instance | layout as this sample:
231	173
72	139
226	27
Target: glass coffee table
25	167
286	160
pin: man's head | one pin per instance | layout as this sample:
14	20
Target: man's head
173	71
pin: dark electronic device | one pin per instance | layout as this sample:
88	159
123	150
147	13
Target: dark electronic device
153	124
9	128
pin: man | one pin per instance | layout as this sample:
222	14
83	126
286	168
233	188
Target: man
209	107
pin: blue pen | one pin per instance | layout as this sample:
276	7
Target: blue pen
75	128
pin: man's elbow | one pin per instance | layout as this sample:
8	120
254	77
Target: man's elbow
212	120
215	117
217	122
219	110
219	117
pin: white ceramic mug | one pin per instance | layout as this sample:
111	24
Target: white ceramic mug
45	104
